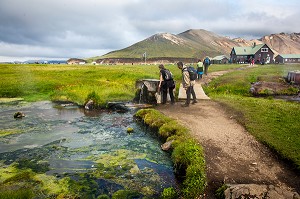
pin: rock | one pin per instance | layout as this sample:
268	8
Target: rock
117	106
19	115
129	130
268	88
166	146
89	105
258	192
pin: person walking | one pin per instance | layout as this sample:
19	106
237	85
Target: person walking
187	84
199	69
206	63
166	83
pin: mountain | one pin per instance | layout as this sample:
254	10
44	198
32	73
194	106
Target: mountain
283	43
193	44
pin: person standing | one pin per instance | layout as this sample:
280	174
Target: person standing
199	69
166	83
187	84
206	64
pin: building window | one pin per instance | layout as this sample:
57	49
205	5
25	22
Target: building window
264	50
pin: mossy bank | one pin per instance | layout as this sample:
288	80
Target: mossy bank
187	154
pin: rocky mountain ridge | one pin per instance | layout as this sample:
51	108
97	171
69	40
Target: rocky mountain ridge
196	43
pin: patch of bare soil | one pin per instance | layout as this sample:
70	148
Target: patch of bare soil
233	156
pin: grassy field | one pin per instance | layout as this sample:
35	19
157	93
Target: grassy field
72	82
76	82
274	122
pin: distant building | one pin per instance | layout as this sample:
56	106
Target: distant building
261	53
221	59
76	61
287	59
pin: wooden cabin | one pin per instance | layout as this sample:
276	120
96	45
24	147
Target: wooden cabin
261	53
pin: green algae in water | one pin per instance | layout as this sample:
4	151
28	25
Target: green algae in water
6	132
83	153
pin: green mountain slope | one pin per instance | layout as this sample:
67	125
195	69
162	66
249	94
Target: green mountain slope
194	44
189	44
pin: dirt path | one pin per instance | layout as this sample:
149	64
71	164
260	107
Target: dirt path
232	155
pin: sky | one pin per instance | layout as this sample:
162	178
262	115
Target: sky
63	29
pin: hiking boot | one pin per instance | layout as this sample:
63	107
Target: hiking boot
184	105
194	102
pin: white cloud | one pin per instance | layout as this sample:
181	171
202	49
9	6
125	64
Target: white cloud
76	28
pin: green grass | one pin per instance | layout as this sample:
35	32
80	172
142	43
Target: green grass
72	83
187	154
17	194
75	82
273	122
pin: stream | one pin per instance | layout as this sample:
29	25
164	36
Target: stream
65	140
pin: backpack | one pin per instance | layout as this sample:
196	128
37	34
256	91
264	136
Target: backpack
206	61
167	75
192	72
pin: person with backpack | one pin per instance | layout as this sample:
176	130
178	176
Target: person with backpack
188	83
200	69
206	64
166	83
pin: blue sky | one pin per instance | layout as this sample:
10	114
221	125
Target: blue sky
34	29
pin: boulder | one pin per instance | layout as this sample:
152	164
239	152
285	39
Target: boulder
167	145
19	115
258	191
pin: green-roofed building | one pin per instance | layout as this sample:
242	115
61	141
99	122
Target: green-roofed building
287	59
261	53
221	59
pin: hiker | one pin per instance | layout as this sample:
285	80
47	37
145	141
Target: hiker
206	63
166	83
199	69
187	84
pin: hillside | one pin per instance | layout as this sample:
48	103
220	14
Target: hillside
283	43
193	44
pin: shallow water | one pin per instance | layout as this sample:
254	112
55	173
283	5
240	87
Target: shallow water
72	140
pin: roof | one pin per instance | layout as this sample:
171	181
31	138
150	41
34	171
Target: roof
290	56
220	57
248	50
